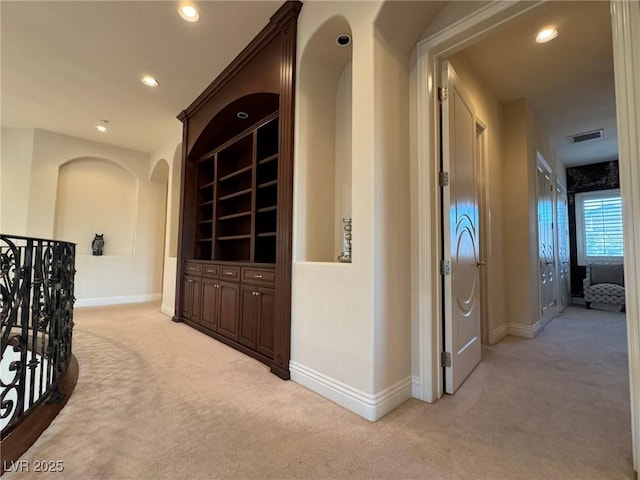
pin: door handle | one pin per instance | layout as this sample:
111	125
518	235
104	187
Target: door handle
480	264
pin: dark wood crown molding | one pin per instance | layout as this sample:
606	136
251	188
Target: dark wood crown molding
290	9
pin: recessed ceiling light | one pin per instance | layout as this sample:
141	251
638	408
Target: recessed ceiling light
242	115
149	81
546	35
189	12
101	128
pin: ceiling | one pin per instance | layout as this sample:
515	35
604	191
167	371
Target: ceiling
67	64
568	82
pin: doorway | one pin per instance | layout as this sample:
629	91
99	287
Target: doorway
443	44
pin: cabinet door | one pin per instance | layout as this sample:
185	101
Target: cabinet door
266	319
210	290
191	298
228	319
196	303
187	297
250	313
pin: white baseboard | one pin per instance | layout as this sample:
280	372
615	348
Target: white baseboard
415	387
370	406
498	334
168	310
100	301
521	330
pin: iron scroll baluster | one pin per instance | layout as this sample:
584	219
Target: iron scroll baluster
36	314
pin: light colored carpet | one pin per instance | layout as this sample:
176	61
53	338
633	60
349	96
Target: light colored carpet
159	400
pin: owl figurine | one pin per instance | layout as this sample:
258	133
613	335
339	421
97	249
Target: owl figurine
98	244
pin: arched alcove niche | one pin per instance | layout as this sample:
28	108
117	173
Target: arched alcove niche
160	172
174	212
96	195
325	137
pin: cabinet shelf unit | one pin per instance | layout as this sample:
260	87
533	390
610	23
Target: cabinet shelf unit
236	209
237	195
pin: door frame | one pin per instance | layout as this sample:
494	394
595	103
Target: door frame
427	285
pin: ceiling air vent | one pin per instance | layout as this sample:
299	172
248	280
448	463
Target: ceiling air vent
583	137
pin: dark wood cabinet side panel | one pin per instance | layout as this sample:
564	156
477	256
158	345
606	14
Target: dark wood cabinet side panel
210	290
282	322
249	317
229	310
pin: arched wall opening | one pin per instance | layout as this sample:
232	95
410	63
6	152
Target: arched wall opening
325	93
174	212
96	196
160	175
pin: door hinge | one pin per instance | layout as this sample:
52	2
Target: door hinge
445	267
445	358
443	93
443	179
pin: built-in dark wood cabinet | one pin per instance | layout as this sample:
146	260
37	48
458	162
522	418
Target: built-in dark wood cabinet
234	246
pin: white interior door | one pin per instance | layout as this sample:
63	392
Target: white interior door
546	239
460	217
564	279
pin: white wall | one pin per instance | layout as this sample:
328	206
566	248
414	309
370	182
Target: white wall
99	280
332	348
15	166
342	186
170	153
96	196
392	267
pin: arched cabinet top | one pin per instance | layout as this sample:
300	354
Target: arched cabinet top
230	121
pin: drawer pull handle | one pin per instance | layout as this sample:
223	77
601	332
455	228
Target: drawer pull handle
217	286
228	273
257	276
257	294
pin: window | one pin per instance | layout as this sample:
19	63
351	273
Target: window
599	226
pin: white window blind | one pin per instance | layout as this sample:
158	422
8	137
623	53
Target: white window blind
599	226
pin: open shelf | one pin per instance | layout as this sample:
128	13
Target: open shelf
233	237
235	194
236	173
235	215
271	208
270	183
268	159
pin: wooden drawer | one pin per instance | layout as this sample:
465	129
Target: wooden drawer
212	271
229	273
192	268
259	276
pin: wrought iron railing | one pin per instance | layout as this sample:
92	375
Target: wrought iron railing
36	312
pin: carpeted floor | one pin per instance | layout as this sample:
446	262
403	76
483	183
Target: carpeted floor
159	400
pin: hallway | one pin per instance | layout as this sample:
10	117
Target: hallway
159	400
